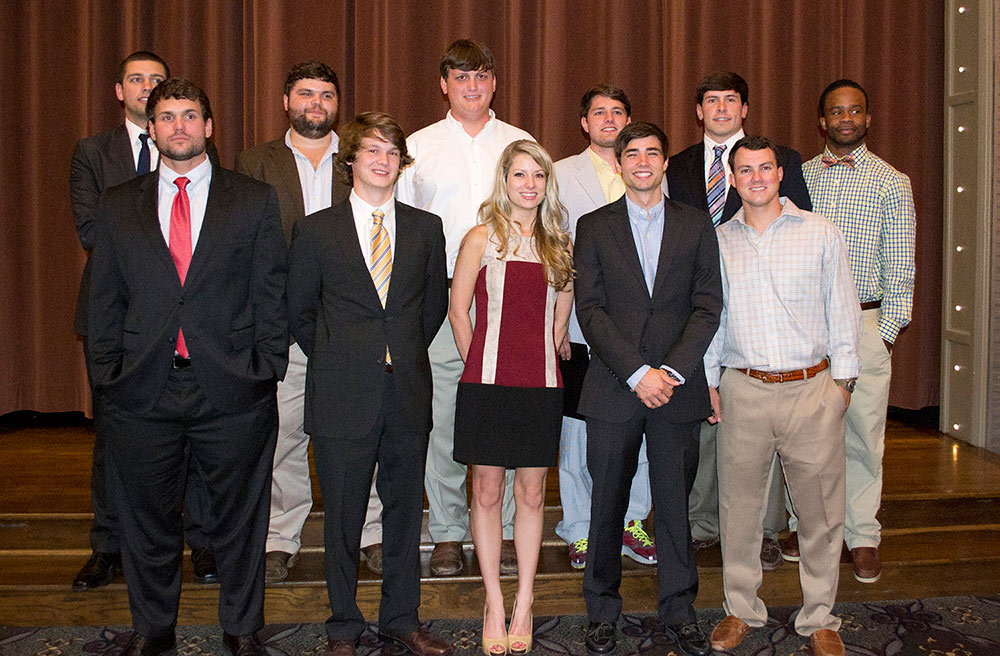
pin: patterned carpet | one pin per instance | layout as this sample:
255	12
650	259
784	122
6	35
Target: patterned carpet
947	626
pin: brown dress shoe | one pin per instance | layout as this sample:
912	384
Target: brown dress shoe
243	645
729	633
826	642
446	559
99	570
372	555
790	547
140	645
420	642
770	555
867	564
277	564
340	648
508	557
698	545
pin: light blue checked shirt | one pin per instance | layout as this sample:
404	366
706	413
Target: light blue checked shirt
872	204
788	297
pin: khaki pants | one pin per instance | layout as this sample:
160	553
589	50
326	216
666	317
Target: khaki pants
803	422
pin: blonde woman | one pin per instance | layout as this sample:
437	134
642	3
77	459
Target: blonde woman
518	266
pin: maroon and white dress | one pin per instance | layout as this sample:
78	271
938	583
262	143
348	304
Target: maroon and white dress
509	406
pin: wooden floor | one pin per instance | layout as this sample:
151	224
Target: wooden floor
940	513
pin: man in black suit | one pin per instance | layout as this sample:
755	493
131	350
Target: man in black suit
367	292
299	166
648	296
699	176
189	336
100	162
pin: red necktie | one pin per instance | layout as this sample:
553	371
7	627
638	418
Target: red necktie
180	243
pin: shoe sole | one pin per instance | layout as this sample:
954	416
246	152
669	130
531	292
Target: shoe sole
578	565
867	579
627	551
790	558
91	586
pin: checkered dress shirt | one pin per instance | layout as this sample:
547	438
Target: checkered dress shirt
872	204
788	297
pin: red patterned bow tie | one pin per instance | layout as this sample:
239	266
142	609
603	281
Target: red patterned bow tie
833	161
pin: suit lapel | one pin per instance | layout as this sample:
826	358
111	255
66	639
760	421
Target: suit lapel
622	231
345	236
402	253
284	161
696	173
587	177
121	156
217	211
668	245
149	220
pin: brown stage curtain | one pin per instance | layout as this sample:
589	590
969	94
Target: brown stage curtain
60	61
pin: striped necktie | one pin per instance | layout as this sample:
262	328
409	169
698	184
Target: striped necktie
717	186
381	266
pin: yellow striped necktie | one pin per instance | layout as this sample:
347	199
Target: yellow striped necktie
381	266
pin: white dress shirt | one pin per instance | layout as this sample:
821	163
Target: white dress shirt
197	190
316	182
710	157
452	173
363	223
133	136
789	299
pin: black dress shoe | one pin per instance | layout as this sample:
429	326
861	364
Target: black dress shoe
601	638
205	570
690	639
99	570
140	645
243	645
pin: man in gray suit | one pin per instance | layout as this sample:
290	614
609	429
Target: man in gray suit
299	166
587	181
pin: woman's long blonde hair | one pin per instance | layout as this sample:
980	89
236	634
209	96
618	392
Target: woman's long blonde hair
551	242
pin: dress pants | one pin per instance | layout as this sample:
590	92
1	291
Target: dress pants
576	486
803	422
105	531
291	487
612	456
444	481
703	504
345	468
865	439
233	452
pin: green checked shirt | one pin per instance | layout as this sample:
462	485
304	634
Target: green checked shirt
872	204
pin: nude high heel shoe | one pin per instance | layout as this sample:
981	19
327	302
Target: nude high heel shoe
518	645
493	646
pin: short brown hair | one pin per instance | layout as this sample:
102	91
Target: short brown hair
311	70
639	130
368	124
466	55
178	88
752	142
141	55
606	91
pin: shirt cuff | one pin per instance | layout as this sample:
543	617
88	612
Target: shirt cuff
634	379
888	330
713	376
673	373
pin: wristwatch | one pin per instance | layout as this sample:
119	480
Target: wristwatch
847	383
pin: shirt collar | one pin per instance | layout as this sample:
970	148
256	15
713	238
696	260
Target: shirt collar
860	154
598	161
196	175
635	212
710	144
134	131
330	150
362	208
457	127
788	208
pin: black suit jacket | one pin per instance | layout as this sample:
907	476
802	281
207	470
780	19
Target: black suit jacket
338	320
99	162
274	163
231	306
626	328
686	180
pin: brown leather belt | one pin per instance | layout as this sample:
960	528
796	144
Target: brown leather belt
871	305
785	376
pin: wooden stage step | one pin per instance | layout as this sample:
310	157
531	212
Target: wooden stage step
940	513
